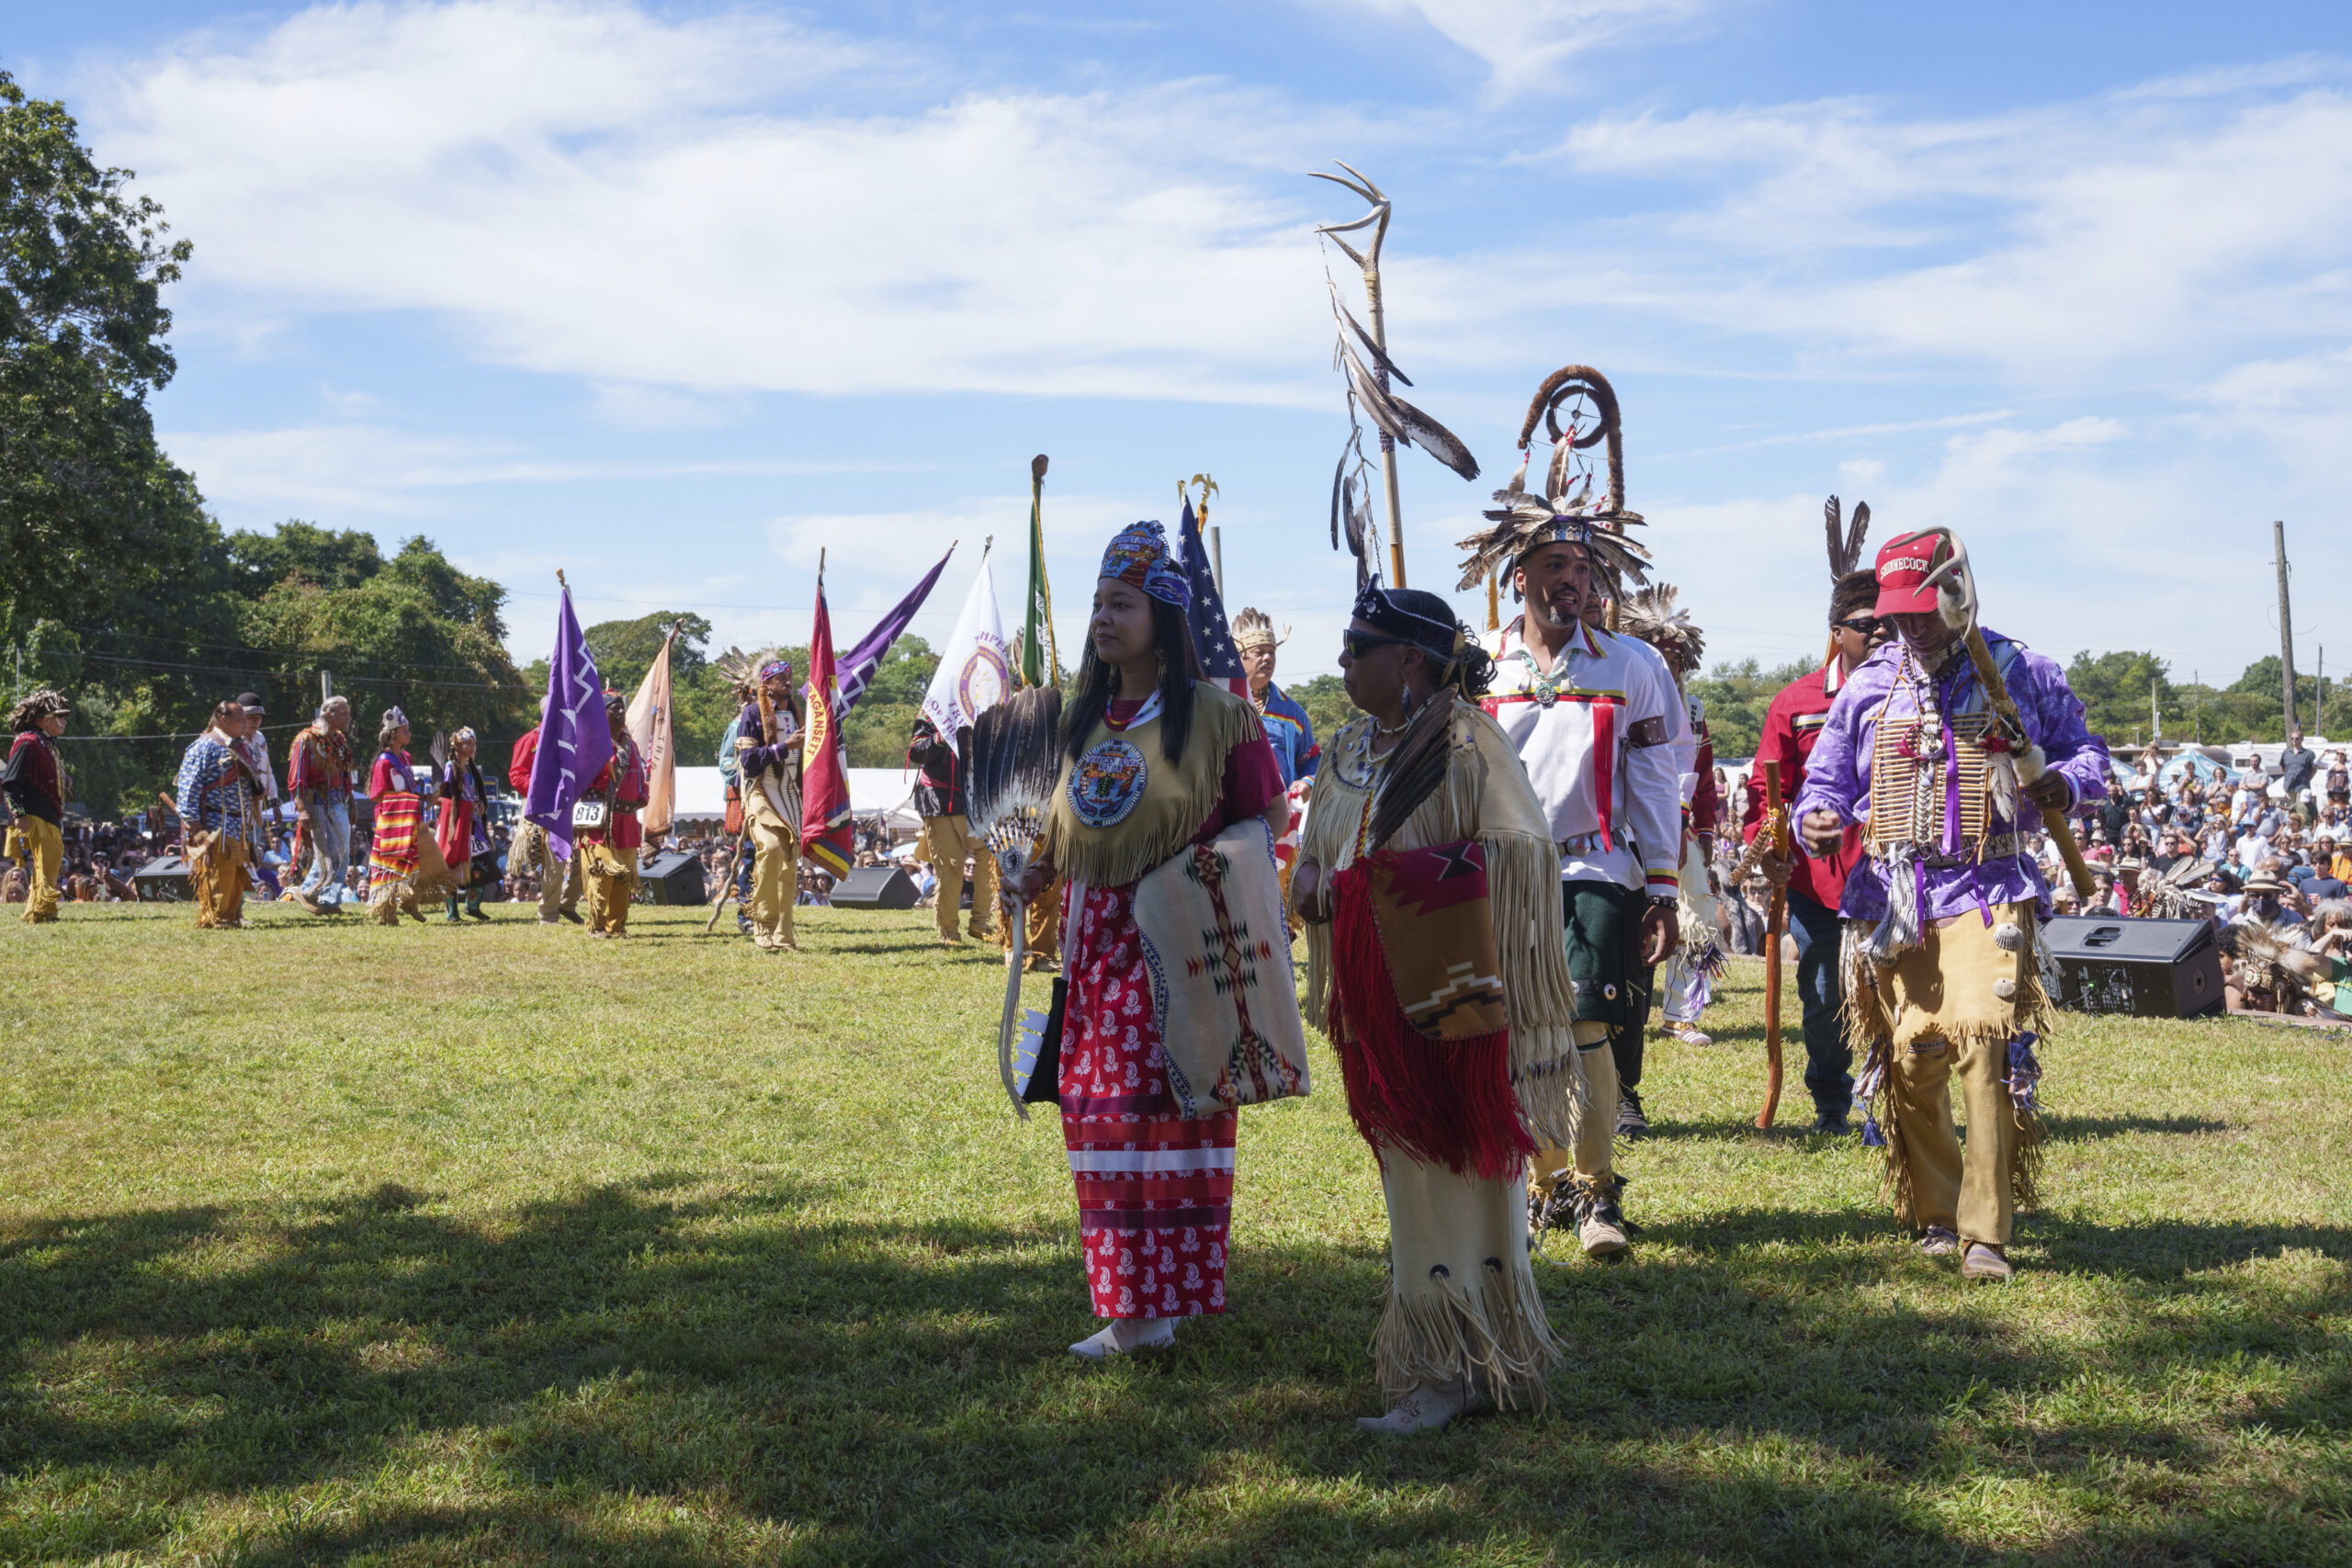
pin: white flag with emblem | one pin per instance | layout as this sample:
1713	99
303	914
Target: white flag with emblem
973	668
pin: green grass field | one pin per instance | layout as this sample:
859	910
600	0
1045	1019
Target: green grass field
337	1244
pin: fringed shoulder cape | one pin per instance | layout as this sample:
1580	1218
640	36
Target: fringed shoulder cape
1484	797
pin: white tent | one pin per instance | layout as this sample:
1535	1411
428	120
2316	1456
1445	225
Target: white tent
702	796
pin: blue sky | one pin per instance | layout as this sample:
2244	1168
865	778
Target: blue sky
672	296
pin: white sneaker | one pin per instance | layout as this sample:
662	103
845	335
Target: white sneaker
1428	1407
1689	1034
1126	1334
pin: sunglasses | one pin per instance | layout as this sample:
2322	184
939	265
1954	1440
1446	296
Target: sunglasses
1356	644
1867	625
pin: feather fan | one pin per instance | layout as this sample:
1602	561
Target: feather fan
1016	765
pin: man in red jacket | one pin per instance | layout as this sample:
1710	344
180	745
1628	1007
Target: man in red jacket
558	879
1815	884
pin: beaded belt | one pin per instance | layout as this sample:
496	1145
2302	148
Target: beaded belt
1582	844
1997	846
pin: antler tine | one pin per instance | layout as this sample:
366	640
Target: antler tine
1377	194
1358	183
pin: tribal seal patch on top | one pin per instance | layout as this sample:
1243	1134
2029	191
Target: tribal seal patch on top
1106	783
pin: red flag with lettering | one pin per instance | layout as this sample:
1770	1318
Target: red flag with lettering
825	835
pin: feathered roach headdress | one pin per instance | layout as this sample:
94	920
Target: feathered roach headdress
2269	960
1651	615
35	708
1565	510
746	671
1254	627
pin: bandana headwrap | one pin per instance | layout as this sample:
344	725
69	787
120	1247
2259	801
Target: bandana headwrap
1139	557
394	718
774	668
1423	619
464	733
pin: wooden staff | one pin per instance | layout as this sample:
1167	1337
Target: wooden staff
2053	821
1776	822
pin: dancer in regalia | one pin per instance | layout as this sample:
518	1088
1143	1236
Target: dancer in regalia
1940	966
215	800
1434	955
35	783
1695	965
463	831
1156	761
1595	718
399	798
768	742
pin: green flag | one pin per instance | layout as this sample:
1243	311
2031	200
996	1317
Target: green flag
1040	665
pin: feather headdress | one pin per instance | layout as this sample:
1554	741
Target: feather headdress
1564	510
1253	626
2267	959
1846	542
743	669
1651	614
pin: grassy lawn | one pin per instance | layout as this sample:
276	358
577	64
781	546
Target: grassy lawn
331	1244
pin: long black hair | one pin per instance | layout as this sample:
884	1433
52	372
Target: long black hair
1180	666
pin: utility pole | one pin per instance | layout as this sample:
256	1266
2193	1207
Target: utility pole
2319	698
2197	705
326	687
2155	714
2286	625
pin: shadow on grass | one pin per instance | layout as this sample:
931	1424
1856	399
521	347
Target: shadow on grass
2071	1129
668	1373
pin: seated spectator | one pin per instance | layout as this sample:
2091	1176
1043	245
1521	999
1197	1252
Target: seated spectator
2266	898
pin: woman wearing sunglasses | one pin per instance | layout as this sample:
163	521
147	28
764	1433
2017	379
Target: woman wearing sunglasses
1426	858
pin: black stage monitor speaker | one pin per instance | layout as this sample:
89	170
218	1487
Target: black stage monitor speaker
876	887
673	877
163	881
2147	968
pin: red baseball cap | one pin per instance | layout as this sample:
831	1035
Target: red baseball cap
1905	565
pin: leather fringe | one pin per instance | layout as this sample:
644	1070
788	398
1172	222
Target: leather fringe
1495	1332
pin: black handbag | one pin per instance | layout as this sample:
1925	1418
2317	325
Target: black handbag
1037	1057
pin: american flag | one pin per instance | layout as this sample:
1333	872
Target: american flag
1211	634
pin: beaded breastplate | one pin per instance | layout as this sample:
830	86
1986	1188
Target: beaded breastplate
1928	773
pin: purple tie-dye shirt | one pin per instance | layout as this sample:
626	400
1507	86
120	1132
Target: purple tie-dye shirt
1837	775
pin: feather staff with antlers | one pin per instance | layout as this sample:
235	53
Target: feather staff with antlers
1372	388
1811	886
1948	763
1595	718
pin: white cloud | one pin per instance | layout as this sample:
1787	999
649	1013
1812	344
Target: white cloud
598	193
1525	43
353	467
2057	239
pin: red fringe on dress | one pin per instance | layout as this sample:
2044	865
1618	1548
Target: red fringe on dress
1441	1102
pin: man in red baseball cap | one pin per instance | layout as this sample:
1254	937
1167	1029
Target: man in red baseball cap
1943	905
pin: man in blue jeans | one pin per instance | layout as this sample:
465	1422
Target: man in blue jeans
319	776
1815	884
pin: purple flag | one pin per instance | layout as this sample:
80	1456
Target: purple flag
1212	637
575	742
856	667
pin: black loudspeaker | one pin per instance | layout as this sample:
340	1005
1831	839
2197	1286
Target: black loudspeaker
2146	968
672	878
876	887
163	881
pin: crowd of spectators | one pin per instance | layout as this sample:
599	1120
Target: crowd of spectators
2265	851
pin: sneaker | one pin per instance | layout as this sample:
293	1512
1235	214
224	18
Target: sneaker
1689	1034
474	911
1985	1261
1836	1127
1632	1125
1937	1242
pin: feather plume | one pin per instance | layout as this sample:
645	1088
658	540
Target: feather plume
1380	360
1401	422
1845	542
1016	765
1415	768
1653	616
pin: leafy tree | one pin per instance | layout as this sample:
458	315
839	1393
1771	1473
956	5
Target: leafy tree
97	525
624	650
1324	698
1736	696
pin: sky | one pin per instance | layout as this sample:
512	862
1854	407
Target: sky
674	298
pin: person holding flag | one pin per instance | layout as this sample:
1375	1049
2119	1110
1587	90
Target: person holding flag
574	740
972	677
608	843
827	834
768	743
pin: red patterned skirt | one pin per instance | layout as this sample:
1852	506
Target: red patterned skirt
1154	1190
